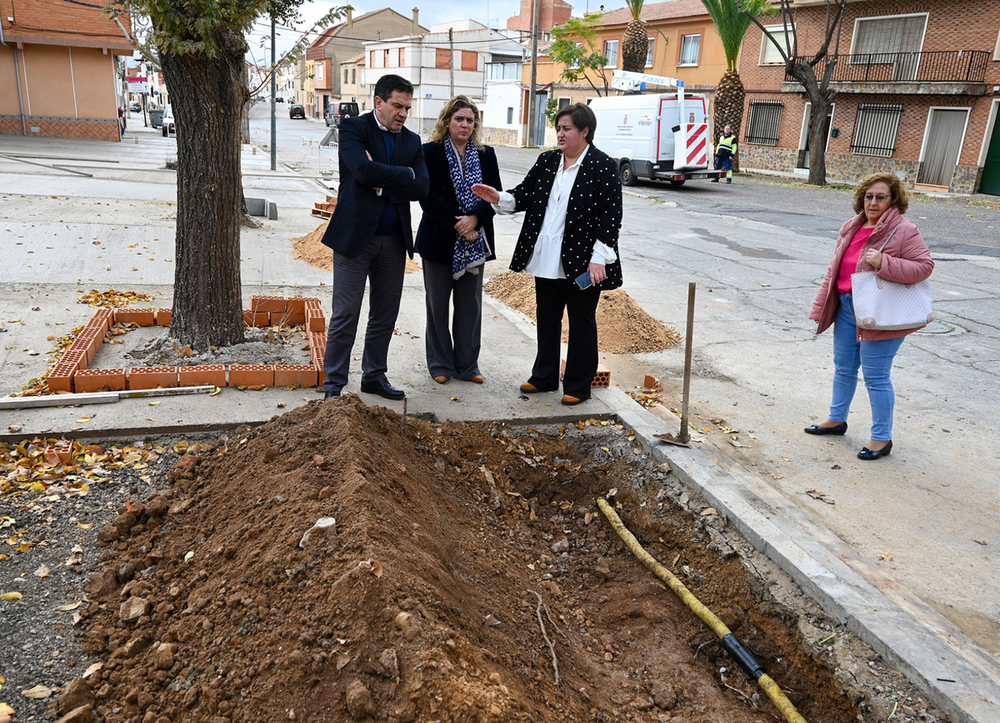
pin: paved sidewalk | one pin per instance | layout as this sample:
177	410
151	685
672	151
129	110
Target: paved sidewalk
128	217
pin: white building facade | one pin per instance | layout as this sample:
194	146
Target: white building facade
441	65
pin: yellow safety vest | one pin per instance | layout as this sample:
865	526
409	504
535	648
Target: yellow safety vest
726	143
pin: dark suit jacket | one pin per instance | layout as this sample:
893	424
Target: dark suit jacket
359	208
594	213
436	236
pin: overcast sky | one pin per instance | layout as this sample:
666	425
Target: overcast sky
490	12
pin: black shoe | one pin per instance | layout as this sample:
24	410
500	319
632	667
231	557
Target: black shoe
383	389
867	454
331	395
715	180
840	430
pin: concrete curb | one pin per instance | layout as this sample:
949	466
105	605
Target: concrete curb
954	673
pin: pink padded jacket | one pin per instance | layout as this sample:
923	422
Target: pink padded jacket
905	259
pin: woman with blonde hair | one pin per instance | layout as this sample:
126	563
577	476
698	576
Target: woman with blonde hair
455	240
877	239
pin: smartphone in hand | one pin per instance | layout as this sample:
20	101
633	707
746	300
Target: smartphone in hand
583	280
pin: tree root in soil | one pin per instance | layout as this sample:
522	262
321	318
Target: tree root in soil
548	641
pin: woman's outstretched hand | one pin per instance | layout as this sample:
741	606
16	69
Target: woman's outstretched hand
487	193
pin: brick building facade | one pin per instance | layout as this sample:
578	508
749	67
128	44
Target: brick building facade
918	90
57	70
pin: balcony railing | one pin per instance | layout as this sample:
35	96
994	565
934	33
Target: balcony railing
940	66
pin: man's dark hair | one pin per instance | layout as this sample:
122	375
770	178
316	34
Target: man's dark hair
582	116
388	84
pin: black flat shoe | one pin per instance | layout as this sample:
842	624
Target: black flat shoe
867	454
383	389
331	395
840	430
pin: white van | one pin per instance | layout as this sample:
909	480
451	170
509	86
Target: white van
640	133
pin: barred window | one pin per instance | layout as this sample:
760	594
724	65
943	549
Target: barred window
875	129
765	119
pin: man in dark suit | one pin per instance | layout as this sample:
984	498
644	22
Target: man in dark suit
381	171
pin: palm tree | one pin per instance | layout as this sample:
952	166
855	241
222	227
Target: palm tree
732	19
635	44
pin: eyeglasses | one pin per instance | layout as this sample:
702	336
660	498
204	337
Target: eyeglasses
881	197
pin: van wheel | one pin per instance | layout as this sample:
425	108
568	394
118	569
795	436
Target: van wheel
627	174
678	183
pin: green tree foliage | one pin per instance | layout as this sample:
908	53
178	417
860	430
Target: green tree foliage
574	46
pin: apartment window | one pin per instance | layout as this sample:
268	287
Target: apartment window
576	63
903	34
402	57
765	120
503	71
875	130
649	51
354	75
611	53
563	102
346	75
510	116
690	47
768	53
442	58
470	60
319	70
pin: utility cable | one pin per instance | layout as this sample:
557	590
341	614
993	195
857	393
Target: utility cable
729	641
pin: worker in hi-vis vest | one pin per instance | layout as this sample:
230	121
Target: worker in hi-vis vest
724	154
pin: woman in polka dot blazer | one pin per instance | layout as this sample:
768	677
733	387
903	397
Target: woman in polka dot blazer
572	203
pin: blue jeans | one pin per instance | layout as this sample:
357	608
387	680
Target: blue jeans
875	358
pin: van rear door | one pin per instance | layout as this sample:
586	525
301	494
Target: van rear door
665	132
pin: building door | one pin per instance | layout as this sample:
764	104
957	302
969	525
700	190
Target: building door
541	105
991	168
945	133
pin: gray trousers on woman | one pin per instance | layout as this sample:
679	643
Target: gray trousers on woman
455	352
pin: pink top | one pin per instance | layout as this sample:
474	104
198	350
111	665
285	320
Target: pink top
849	263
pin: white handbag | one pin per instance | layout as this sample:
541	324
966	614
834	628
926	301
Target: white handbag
882	305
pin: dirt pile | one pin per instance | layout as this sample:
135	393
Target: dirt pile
419	602
623	327
310	248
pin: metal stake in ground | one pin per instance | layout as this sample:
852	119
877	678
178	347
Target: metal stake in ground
684	437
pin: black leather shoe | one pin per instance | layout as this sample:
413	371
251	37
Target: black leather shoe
331	395
867	454
840	430
383	389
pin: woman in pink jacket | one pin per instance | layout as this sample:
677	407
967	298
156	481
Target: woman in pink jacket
880	201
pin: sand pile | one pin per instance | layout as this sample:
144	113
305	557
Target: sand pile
310	248
622	325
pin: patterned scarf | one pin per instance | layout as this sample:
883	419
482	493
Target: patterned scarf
469	255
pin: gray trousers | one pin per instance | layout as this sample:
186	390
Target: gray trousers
454	352
382	263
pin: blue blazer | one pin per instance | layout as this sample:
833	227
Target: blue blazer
359	208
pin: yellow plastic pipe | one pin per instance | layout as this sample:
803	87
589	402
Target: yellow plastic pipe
733	646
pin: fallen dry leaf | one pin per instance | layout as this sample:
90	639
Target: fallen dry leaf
42	571
38	691
94	667
11	596
69	607
821	496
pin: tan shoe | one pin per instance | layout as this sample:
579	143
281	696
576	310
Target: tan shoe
478	379
569	400
441	380
528	387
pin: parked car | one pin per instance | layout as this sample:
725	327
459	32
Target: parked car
279	99
168	128
134	106
297	111
336	112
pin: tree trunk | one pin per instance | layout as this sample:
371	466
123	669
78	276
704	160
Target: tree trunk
729	97
207	95
821	97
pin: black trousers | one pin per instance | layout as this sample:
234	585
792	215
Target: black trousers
552	297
